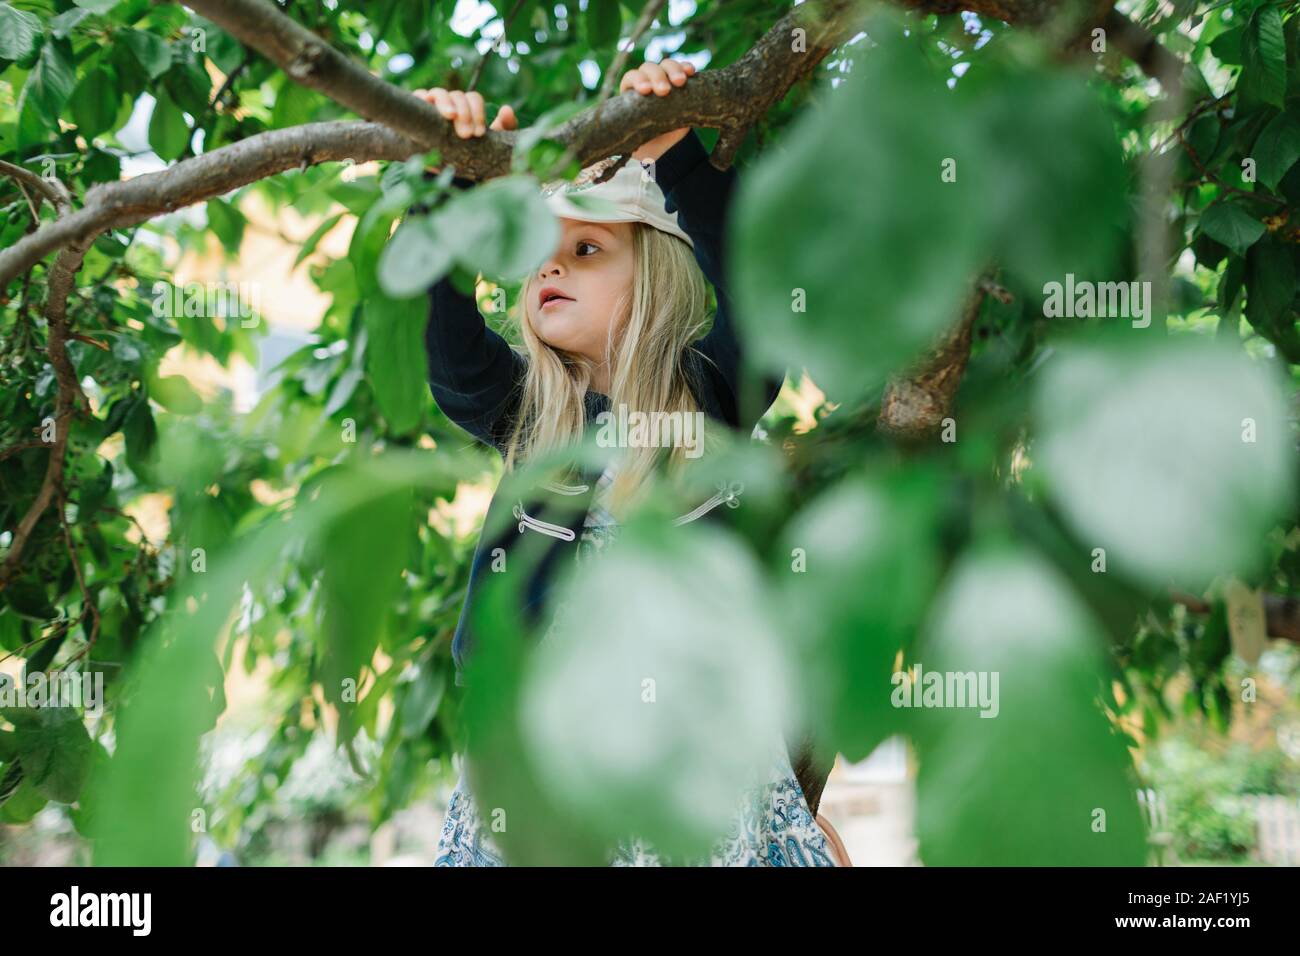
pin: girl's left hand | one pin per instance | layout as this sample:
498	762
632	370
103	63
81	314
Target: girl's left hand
658	78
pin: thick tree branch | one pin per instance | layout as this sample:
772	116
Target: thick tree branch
1281	613
914	404
730	99
309	60
115	205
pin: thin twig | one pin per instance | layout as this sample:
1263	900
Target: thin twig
1191	154
230	79
88	603
51	189
21	446
63	628
643	22
482	60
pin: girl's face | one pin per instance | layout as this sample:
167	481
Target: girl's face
591	270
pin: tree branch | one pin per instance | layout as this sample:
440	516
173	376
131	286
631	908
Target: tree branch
115	205
309	60
1281	613
914	404
51	189
729	99
1140	45
62	275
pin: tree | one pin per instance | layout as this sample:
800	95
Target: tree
1047	216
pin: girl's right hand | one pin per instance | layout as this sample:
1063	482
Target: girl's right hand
466	111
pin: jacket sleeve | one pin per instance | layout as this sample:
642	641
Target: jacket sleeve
701	196
474	374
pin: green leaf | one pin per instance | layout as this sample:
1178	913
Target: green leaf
18	32
520	26
23	803
369	240
1263	70
141	435
1270	292
1231	225
294	105
150	50
604	22
1173	455
1227	45
1230	285
1018	763
228	224
174	393
188	83
26	596
420	701
503	228
97	6
47	89
312	241
973	183
870	563
94	102
414	258
361	580
55	753
395	358
62	25
1277	149
169	134
719	668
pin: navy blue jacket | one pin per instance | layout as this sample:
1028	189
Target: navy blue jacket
476	379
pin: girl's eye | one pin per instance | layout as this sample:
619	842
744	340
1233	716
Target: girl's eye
590	245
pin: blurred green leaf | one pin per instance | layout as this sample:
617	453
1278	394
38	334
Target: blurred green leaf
395	359
1174	456
414	258
865	554
168	132
1018	765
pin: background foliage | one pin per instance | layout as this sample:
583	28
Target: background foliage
299	530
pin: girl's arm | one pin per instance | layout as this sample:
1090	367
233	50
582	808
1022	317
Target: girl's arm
474	374
701	196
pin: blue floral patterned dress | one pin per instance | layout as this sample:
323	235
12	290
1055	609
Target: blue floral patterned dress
772	827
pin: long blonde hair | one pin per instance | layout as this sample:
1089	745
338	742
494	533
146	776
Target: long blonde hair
660	315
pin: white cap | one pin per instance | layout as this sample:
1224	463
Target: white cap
630	195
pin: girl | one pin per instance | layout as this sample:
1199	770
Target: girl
611	319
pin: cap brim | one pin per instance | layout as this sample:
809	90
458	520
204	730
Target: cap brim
588	209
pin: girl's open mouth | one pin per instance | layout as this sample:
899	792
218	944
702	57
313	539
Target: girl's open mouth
550	295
